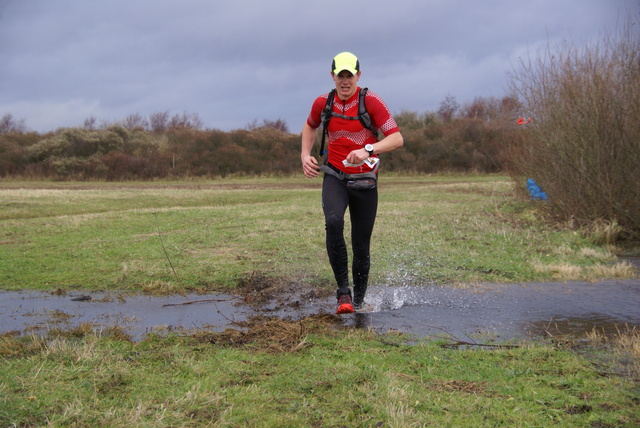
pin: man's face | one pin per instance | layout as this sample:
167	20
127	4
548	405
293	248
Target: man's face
346	83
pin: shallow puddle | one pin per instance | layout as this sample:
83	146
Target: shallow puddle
510	310
501	312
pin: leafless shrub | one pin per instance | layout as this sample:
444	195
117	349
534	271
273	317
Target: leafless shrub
583	144
8	124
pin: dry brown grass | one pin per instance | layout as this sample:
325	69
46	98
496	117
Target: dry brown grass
270	334
599	271
625	347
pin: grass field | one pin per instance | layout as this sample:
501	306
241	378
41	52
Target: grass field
270	372
129	235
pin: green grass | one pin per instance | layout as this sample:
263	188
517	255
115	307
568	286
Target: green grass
332	379
214	233
444	230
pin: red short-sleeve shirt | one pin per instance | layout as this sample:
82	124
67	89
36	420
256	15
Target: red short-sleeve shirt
347	135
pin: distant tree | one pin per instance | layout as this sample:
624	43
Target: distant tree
477	109
9	124
509	106
134	121
159	122
490	109
186	120
448	108
90	122
278	124
410	120
252	125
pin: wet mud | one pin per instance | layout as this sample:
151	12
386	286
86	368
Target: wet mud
496	311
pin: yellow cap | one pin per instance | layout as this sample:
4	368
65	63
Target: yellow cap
345	61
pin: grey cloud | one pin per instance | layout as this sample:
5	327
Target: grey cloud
232	62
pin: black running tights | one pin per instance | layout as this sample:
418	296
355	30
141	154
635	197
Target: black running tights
363	206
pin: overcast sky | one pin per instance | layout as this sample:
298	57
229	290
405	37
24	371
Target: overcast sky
232	62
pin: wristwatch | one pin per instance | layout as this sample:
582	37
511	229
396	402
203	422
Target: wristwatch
369	148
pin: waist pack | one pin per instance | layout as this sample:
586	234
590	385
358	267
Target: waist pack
363	181
362	184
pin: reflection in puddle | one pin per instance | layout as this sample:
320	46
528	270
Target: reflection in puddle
137	314
502	312
580	326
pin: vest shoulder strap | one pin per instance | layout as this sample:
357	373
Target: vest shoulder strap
363	115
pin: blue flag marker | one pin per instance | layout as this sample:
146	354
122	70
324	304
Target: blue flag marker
535	191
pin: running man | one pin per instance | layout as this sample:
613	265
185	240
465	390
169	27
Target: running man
350	173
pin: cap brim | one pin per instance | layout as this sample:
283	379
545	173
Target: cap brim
349	69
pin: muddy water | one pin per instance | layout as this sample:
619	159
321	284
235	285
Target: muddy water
510	311
498	311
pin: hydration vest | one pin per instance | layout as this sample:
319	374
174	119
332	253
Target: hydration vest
327	113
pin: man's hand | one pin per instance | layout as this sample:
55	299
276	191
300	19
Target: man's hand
358	156
310	166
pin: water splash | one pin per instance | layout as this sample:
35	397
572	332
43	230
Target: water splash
387	298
